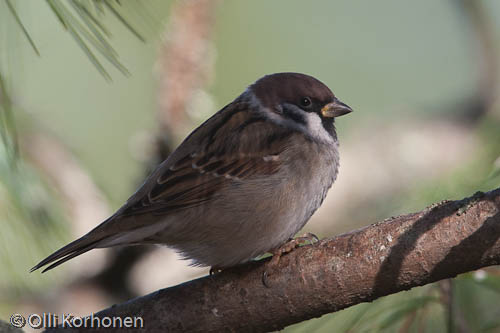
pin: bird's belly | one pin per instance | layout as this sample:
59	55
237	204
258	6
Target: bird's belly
236	228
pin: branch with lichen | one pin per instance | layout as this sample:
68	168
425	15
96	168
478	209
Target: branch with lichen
439	242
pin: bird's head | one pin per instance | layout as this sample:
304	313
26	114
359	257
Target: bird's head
301	101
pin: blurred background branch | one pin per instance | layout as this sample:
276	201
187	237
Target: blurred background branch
185	66
485	51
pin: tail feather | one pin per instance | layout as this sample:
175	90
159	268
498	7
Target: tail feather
68	252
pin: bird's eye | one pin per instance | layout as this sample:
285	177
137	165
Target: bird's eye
305	102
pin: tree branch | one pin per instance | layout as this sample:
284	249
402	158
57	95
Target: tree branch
446	239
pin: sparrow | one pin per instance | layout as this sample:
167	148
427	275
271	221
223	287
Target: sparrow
240	185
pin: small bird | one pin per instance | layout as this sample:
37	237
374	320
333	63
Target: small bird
240	185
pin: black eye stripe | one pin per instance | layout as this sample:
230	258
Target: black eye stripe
295	114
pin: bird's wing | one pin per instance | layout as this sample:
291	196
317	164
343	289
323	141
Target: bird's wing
237	143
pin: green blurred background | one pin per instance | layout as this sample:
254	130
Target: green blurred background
420	77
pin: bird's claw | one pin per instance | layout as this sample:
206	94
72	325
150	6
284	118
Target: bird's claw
283	249
264	279
307	237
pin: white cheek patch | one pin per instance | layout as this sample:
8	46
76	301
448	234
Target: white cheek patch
316	129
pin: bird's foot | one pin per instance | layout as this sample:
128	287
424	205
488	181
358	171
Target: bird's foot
289	246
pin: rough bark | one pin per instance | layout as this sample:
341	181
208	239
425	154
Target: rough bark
443	240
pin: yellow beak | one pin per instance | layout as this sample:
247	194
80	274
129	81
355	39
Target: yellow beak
335	109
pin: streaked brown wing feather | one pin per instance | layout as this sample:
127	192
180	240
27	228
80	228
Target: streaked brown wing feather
239	145
187	187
